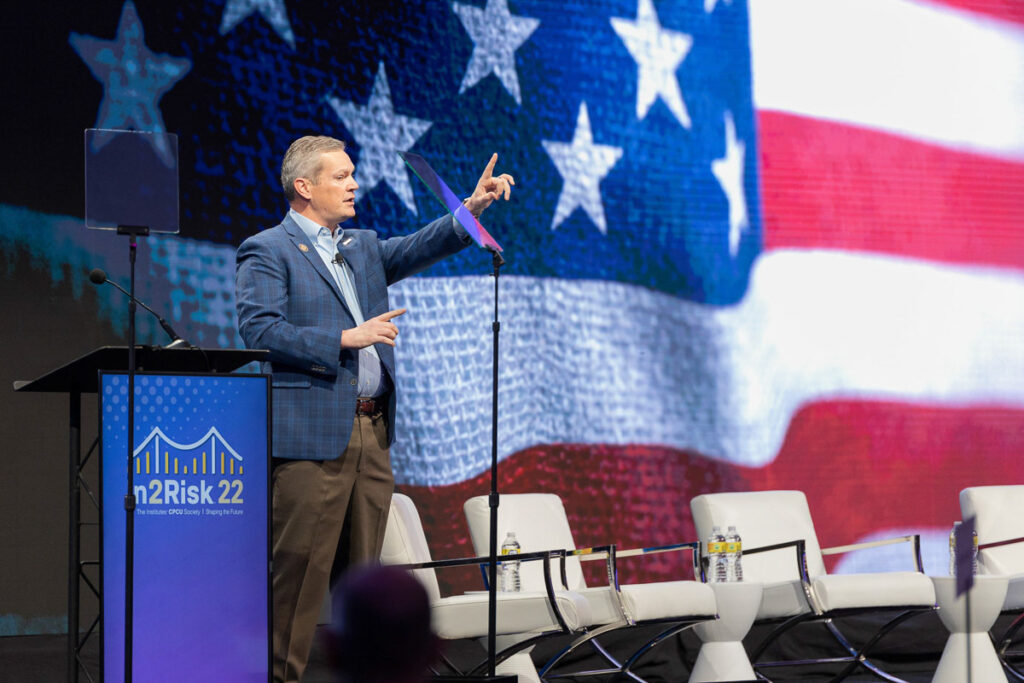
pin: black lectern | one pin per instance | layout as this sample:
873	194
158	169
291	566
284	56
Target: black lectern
80	376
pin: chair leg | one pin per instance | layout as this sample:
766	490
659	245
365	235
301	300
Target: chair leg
646	647
509	651
1011	670
1004	645
451	668
587	637
855	657
624	668
608	656
756	653
859	656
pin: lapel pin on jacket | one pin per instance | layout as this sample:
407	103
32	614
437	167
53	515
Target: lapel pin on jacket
303	247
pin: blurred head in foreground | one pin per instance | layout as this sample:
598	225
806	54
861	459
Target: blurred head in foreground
380	627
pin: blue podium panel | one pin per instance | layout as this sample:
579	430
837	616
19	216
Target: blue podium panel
200	463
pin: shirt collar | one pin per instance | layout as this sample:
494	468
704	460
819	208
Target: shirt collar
310	227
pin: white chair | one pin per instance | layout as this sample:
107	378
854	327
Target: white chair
540	522
998	512
781	551
523	619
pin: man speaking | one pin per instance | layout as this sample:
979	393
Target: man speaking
315	295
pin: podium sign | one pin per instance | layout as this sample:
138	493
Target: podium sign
201	600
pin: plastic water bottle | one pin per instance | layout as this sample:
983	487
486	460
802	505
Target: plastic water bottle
718	570
952	550
510	569
734	555
974	553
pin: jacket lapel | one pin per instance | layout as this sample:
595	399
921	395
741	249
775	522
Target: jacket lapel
308	250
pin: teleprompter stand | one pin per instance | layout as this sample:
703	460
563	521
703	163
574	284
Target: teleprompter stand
131	185
492	552
460	213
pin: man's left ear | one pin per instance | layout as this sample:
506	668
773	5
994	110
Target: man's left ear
301	186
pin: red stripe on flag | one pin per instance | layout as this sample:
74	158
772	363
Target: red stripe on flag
635	496
1006	10
864	467
835	186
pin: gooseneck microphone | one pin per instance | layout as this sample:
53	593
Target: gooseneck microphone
98	277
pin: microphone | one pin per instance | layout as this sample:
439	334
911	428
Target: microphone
339	259
98	277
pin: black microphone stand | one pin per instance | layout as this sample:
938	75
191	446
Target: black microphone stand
133	232
492	567
98	277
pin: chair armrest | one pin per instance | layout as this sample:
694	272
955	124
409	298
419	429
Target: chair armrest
655	549
484	562
692	546
590	554
799	546
800	549
609	554
912	538
997	544
480	560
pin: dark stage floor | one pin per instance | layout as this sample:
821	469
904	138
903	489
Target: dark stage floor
912	652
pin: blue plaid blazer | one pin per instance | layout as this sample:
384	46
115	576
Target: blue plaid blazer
289	304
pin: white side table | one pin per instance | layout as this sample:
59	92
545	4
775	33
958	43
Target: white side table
987	597
721	656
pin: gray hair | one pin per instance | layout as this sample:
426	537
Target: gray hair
302	160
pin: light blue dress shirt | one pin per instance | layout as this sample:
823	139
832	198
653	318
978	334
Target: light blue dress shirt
372	380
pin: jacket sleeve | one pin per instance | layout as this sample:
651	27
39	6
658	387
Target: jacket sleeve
410	254
262	284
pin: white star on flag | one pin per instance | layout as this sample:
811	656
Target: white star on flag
582	165
496	35
381	134
658	53
729	172
272	10
709	5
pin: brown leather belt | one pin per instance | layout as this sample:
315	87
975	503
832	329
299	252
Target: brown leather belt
369	406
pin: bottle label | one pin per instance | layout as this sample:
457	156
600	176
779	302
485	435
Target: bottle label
732	547
716	547
509	551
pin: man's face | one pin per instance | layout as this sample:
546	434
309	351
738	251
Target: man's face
333	198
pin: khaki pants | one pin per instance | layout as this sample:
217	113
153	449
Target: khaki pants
327	515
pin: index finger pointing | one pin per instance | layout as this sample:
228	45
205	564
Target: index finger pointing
489	169
392	314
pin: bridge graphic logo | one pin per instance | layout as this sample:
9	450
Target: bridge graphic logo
212	454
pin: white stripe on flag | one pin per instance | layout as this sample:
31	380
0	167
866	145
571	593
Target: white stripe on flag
608	363
923	71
